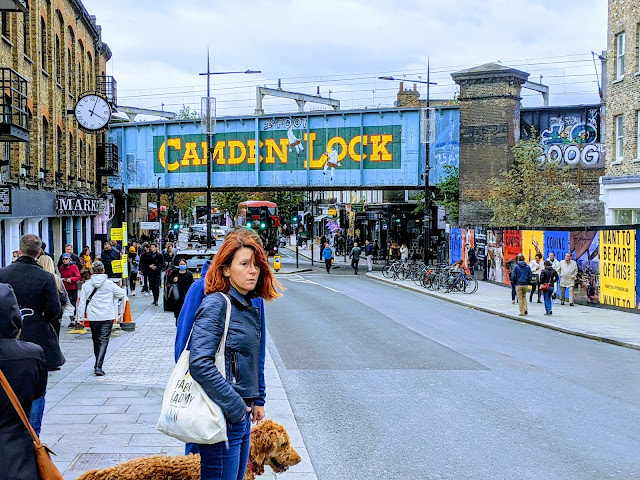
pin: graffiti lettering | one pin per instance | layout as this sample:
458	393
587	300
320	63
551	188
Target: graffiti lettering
590	155
285	123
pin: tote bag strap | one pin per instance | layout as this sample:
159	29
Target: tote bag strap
16	404
227	320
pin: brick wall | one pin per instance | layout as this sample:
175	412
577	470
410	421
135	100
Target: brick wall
50	94
623	95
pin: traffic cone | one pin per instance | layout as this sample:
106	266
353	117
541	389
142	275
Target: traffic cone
127	324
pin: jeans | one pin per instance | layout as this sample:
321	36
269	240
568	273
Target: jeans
100	334
513	292
36	414
222	462
73	298
327	264
354	265
547	300
145	286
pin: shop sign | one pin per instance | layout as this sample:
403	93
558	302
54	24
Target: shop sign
357	207
5	200
332	212
77	206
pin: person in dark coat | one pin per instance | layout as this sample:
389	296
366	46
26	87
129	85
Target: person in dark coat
24	366
36	291
75	259
182	278
154	263
109	254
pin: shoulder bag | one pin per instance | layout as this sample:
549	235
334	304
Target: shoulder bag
46	467
188	414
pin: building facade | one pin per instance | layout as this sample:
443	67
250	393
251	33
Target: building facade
51	172
620	187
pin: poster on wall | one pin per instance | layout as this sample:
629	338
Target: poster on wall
480	239
532	244
495	257
456	245
512	247
585	251
637	268
468	241
618	269
556	243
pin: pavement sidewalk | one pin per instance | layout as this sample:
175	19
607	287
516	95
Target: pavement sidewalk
338	260
602	324
96	422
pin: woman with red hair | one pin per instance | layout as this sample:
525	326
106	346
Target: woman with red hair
241	270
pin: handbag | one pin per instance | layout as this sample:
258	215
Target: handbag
188	414
46	467
545	287
174	293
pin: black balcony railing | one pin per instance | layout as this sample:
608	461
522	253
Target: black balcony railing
107	161
107	86
14	126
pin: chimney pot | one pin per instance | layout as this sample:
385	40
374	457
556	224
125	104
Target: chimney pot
401	87
415	87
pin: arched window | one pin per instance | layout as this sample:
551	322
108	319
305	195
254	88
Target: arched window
72	159
45	134
43	43
58	61
59	151
80	172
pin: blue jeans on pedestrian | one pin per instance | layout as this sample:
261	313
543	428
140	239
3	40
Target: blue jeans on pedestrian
36	414
547	300
227	461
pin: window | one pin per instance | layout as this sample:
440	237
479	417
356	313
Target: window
638	137
43	44
5	24
71	158
620	46
45	134
59	153
69	71
25	33
619	121
623	217
58	61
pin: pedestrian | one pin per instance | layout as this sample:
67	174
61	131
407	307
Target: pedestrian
327	255
536	266
47	265
98	305
86	259
556	266
241	269
168	255
548	276
187	317
404	253
25	368
521	277
153	265
368	252
36	291
75	259
109	254
70	276
182	279
510	264
568	272
472	259
133	260
14	256
355	257
142	266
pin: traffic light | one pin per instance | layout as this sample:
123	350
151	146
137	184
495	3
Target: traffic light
295	219
249	225
175	227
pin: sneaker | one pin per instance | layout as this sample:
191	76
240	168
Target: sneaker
571	304
547	314
146	294
133	294
98	372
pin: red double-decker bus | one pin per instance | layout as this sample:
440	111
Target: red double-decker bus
263	217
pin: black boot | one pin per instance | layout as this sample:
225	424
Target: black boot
100	359
105	334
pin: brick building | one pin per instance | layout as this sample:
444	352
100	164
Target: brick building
51	52
620	187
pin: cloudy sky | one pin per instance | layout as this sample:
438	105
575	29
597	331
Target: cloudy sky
343	46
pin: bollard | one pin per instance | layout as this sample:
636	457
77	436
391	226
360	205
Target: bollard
276	263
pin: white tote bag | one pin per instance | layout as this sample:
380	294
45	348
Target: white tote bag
188	414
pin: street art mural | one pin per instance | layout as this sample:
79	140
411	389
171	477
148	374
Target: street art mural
607	260
570	136
445	147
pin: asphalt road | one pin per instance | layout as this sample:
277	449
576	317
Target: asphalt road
388	384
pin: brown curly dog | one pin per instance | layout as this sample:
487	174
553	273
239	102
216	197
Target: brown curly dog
270	445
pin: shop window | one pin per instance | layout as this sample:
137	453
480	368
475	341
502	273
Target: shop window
623	217
619	126
620	48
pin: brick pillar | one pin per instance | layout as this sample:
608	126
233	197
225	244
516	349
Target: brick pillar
489	127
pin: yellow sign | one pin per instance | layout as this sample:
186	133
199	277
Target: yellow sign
116	234
276	263
125	236
332	212
125	266
116	266
618	268
532	243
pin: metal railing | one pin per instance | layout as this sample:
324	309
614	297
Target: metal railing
107	86
14	123
107	159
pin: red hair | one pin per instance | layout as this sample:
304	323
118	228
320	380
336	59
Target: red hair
215	281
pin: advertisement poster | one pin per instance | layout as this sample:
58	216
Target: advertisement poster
637	268
456	245
618	268
532	244
512	247
556	243
480	239
495	257
468	241
585	251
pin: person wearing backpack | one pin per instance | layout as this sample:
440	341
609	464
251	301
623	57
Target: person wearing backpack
98	305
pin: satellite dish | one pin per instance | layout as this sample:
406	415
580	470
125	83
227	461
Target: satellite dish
396	103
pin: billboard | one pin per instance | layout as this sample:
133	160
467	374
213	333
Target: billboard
323	150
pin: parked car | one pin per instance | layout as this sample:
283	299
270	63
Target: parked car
195	260
195	230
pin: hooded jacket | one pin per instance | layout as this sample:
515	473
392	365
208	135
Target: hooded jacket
103	304
521	274
36	289
25	367
187	317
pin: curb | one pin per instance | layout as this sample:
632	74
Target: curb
302	270
511	317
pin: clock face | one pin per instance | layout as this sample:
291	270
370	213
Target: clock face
92	112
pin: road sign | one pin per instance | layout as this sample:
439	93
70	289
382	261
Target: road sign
149	226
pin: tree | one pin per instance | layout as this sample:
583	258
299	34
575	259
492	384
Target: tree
533	192
185	113
228	201
446	194
185	202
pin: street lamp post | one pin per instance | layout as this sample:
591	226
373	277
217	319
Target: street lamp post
427	199
208	73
